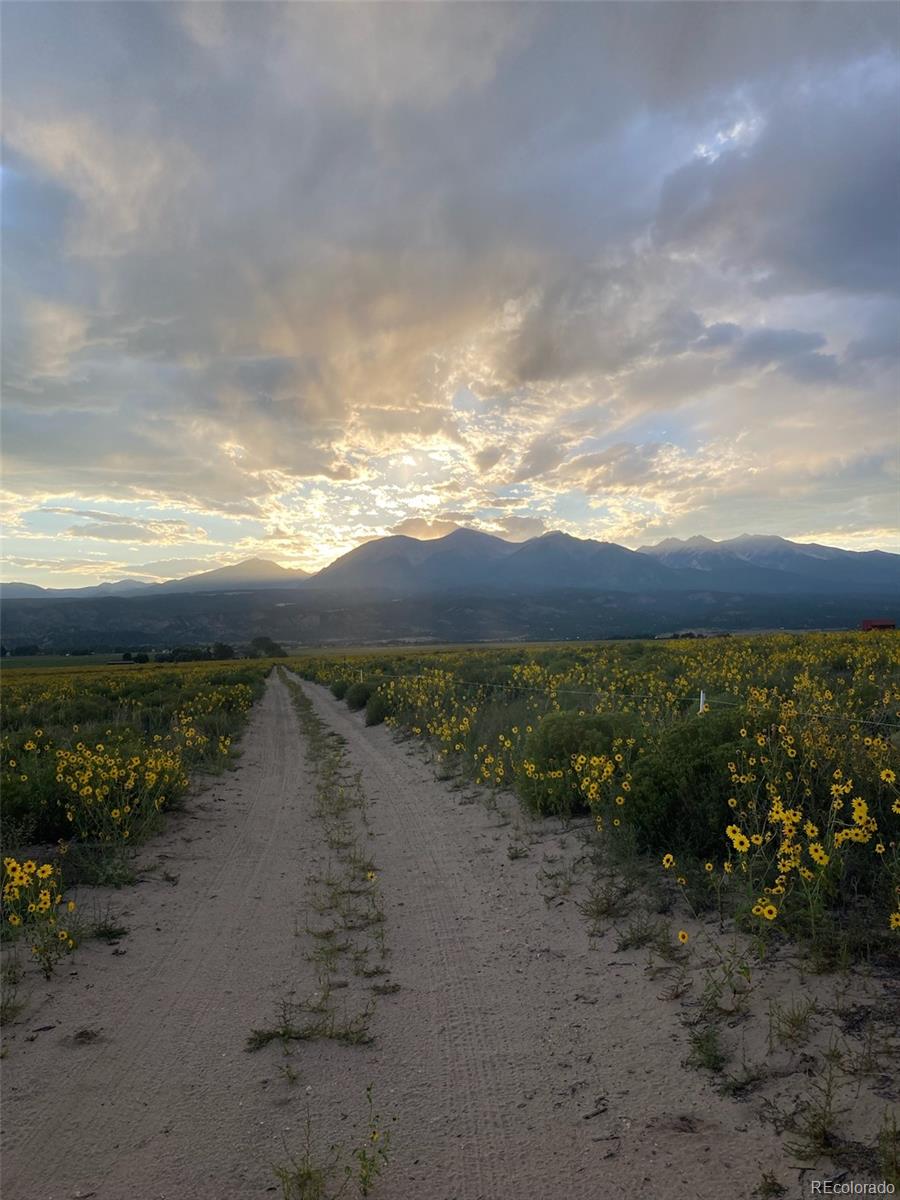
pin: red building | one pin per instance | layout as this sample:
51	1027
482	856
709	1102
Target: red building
865	626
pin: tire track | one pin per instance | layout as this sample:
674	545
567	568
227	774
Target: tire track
429	867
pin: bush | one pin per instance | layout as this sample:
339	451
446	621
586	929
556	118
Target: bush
680	788
551	747
376	709
339	688
357	695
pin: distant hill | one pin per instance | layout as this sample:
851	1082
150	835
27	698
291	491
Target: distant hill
804	563
21	591
252	574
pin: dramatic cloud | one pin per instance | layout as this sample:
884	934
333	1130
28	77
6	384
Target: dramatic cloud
418	527
163	532
279	278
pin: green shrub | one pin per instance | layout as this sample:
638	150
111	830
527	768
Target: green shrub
339	688
376	709
551	746
680	788
357	695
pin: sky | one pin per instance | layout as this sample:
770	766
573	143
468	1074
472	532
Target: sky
278	279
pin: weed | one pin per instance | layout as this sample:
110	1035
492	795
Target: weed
327	1177
889	1149
707	1052
11	1006
604	899
865	1060
769	1187
790	1024
813	1125
558	882
354	920
327	953
257	1038
727	985
369	972
348	1030
106	926
352	1031
680	985
663	946
641	932
304	1178
101	866
373	1153
747	1080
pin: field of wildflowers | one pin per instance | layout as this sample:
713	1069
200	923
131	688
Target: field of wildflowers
762	771
89	759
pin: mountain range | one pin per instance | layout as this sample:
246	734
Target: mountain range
471	586
249	575
468	560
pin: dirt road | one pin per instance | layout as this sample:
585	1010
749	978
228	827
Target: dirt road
520	1062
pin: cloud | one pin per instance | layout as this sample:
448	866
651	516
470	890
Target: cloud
174	568
520	528
811	204
762	347
90	514
718	335
57	565
541	456
793	350
115	528
421	527
320	270
488	457
123	187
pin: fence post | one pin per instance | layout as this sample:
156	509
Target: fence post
702	700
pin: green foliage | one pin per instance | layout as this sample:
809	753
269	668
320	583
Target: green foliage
264	647
339	688
376	709
357	695
809	719
65	728
707	1052
680	787
551	746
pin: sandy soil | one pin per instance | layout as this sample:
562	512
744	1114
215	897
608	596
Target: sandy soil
520	1059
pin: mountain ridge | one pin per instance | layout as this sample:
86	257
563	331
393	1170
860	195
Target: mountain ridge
469	558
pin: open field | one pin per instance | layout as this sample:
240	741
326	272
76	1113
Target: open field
34	662
765	766
95	754
537	999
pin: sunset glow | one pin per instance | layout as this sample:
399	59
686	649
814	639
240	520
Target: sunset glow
282	278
